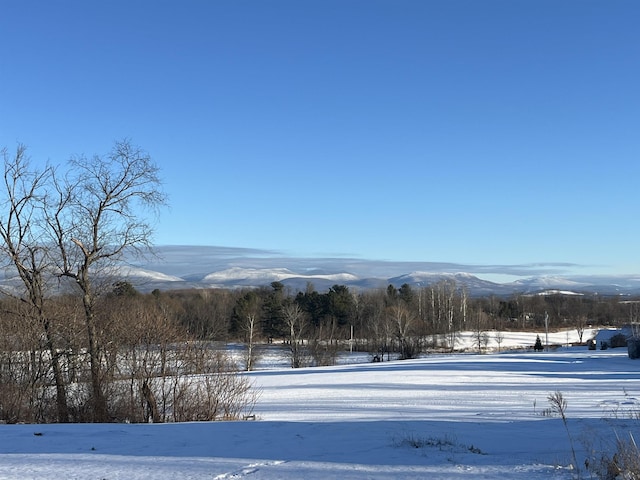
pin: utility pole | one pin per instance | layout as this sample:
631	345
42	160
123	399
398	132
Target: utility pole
546	329
351	341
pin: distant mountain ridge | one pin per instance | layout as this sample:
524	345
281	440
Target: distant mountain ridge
217	267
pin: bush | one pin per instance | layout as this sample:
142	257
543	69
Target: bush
207	388
633	346
622	464
618	341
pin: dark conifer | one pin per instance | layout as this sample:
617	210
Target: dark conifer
538	346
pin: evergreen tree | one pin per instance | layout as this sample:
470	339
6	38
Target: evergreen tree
538	346
273	317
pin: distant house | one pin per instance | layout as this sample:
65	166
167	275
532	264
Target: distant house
614	337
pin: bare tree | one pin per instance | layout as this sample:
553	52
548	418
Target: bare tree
481	336
95	219
206	313
464	297
294	317
249	309
323	345
23	365
499	338
20	231
581	322
148	344
379	329
402	320
446	305
161	377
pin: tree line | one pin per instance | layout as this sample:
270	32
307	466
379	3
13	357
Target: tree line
405	321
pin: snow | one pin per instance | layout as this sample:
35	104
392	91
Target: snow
455	416
549	281
560	292
269	274
129	271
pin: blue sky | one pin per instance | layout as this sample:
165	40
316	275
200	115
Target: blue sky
494	132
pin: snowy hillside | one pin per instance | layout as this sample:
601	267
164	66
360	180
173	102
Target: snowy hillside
444	417
264	276
473	284
548	282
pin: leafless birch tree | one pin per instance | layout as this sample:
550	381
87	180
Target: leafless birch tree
249	310
295	320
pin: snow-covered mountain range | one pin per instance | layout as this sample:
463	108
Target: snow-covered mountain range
182	267
186	267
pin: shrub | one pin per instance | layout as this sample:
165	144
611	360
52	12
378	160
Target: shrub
623	463
559	407
618	341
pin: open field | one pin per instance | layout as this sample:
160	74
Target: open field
443	416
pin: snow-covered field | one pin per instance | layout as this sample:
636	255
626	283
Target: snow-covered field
442	417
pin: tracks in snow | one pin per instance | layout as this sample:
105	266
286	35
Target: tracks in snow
246	471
